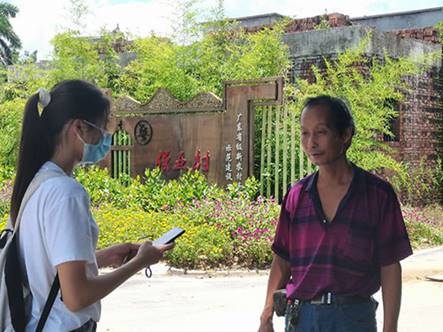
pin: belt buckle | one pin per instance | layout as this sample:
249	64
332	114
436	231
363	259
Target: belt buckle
324	299
317	300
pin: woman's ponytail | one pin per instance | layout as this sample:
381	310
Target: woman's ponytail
33	152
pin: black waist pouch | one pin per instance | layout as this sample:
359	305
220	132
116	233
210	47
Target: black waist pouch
280	302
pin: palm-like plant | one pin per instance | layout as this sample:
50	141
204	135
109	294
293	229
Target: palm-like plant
9	40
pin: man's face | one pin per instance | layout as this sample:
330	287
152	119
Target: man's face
320	140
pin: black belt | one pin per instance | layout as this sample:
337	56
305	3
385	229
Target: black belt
329	298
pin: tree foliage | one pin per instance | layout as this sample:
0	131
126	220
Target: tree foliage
369	93
9	41
198	58
225	52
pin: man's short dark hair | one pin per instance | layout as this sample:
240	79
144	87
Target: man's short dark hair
341	116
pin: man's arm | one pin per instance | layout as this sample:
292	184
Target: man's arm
391	293
278	278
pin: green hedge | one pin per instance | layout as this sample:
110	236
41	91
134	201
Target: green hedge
154	193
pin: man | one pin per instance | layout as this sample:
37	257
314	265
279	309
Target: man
340	235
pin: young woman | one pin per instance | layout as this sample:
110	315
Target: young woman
339	238
58	234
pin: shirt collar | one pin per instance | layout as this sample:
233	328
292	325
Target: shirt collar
53	167
358	181
312	181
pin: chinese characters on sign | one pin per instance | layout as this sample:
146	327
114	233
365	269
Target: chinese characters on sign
228	162
180	163
238	170
163	160
239	149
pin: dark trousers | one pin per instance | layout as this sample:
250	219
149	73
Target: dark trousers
336	318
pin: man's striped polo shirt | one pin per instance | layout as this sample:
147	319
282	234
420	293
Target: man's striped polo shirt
343	256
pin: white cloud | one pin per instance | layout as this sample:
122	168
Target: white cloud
135	17
39	20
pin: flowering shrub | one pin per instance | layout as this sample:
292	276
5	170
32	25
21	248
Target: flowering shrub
201	246
424	183
6	176
218	233
425	225
224	227
250	226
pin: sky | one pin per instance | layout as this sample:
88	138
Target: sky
39	20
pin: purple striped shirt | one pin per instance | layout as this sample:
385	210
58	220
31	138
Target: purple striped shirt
345	255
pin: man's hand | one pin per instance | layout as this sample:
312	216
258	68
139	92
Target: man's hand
266	327
278	278
266	322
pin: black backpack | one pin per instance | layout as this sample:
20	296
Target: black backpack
12	290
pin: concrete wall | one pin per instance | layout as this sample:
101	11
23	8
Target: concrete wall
404	20
259	20
334	41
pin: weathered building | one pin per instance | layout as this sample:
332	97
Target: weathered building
418	130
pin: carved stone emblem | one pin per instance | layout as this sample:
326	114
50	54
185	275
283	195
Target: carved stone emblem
143	132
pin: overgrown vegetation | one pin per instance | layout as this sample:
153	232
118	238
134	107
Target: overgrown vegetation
224	227
366	84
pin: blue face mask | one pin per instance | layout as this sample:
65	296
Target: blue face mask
93	153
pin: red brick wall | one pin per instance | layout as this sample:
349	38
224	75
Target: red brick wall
427	34
310	23
420	134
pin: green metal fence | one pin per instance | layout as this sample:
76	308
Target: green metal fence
280	160
121	154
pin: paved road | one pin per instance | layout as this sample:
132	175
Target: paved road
223	303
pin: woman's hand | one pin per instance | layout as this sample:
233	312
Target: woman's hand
116	255
149	255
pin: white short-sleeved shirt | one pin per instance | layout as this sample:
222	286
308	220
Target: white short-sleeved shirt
57	227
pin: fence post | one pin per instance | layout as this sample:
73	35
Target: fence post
285	150
269	151
301	161
277	154
309	166
292	147
262	152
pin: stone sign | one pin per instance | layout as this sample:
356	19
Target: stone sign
205	133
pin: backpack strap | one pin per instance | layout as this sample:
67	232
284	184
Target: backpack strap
33	186
35	183
49	303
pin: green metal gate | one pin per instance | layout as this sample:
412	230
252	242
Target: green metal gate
280	160
121	155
